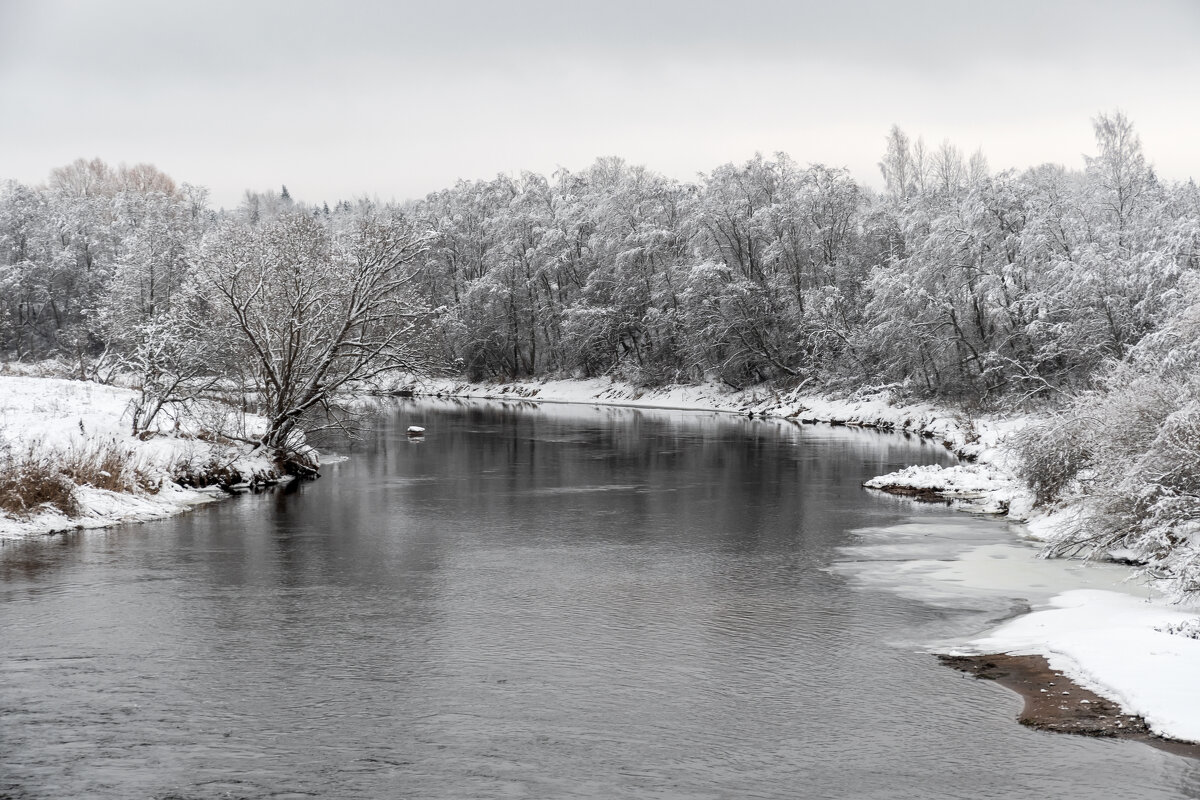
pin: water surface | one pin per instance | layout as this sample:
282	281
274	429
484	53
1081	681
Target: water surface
550	602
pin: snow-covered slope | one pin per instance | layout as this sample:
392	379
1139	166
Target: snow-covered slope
64	420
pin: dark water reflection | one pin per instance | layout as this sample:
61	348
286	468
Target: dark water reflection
531	602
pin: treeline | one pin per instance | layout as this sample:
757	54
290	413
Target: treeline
952	282
1078	290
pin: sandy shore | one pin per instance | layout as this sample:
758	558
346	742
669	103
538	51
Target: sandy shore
1053	702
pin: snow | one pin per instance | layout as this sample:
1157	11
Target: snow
1099	623
101	508
42	414
1119	646
989	487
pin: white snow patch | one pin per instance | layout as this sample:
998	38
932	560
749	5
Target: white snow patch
1118	646
55	415
992	489
956	481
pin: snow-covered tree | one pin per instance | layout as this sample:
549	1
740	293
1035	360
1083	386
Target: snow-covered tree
307	310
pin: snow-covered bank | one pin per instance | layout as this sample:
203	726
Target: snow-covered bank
53	421
1115	636
1132	650
986	488
868	409
1107	632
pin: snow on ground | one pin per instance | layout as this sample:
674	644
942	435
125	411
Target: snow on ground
101	508
73	418
1097	622
1119	646
987	488
951	481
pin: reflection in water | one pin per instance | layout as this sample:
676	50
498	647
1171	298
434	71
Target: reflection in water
532	601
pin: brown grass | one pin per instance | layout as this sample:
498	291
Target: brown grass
32	480
39	477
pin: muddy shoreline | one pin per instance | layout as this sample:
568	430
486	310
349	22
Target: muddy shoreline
923	493
1053	702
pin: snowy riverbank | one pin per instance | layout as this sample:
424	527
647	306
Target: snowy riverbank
1132	647
55	427
1132	650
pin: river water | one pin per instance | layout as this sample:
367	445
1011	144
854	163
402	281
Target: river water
543	602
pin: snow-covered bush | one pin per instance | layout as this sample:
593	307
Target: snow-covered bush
1089	442
1126	457
1155	507
1189	628
1052	454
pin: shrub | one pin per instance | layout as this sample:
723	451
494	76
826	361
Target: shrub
1051	456
1127	459
105	465
41	476
211	469
32	480
1097	436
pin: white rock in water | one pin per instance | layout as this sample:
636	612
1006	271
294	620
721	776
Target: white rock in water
415	430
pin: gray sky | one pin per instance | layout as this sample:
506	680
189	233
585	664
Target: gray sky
397	99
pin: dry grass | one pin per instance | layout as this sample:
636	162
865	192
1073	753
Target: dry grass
30	481
40	477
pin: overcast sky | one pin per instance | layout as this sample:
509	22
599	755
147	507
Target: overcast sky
397	99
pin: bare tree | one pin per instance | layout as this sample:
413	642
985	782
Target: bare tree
169	357
311	309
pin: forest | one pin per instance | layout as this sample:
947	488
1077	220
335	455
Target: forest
1069	292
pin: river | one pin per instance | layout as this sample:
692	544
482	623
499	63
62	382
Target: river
532	601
